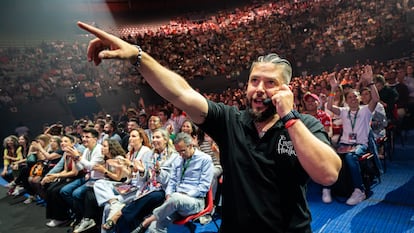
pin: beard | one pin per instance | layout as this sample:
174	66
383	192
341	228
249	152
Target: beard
261	116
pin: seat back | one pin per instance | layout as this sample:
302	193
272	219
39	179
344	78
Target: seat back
207	209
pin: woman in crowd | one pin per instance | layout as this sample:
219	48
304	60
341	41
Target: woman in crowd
57	209
45	161
35	155
24	142
11	155
154	173
105	191
189	128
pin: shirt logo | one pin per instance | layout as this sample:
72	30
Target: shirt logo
285	147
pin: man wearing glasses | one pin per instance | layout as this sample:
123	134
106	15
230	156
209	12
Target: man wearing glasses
190	181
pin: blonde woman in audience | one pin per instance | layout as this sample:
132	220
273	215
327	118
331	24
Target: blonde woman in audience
154	173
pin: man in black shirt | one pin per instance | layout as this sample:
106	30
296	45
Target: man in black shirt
269	151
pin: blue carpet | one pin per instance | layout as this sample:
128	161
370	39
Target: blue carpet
389	209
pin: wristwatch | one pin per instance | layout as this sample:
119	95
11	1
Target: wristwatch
291	115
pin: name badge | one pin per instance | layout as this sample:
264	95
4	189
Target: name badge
352	138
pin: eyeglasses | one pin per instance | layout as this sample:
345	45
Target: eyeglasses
183	151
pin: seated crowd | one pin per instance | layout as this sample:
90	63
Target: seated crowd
207	48
87	177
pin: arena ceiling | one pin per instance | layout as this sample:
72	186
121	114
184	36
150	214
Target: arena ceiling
40	19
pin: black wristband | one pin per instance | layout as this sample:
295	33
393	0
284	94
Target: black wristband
370	84
291	115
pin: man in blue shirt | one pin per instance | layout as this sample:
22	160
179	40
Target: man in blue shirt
190	181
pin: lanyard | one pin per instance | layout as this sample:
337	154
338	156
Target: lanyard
157	157
355	118
185	166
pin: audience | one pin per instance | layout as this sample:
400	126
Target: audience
211	42
320	28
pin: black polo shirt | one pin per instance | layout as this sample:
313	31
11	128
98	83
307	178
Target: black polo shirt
264	187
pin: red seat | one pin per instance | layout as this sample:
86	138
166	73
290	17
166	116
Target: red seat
206	211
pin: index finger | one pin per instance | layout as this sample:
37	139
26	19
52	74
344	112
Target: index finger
97	32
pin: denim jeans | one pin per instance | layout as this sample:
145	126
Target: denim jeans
351	159
74	193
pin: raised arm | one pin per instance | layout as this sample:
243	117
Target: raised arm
368	77
334	87
165	82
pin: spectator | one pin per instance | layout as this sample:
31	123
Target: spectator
191	177
403	94
74	192
12	153
56	209
311	107
154	122
110	131
143	121
131	125
356	121
166	122
47	159
388	96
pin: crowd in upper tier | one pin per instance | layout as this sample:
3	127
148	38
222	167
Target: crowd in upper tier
217	45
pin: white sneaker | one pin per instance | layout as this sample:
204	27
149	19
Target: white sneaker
326	196
205	219
115	207
11	184
55	223
18	190
85	224
29	200
356	197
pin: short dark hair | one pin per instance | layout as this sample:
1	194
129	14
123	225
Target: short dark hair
93	131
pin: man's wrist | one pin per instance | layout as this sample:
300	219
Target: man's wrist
293	114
